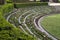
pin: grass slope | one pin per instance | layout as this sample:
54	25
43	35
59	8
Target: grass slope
52	24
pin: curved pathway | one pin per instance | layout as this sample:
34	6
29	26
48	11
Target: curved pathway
14	25
26	25
20	21
38	26
11	14
24	22
22	15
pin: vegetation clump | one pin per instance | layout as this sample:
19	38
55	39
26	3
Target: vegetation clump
9	31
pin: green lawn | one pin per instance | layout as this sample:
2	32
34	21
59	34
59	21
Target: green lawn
52	24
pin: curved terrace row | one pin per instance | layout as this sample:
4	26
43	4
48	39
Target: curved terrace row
24	19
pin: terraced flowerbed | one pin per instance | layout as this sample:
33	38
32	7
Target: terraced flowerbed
25	17
30	24
52	24
8	31
14	19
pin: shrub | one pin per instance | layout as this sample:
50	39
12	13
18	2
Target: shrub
7	8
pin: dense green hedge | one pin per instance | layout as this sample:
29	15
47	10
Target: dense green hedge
18	5
7	8
7	30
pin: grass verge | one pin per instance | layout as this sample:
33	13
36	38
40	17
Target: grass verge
52	24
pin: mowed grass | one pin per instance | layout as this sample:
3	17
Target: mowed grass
52	24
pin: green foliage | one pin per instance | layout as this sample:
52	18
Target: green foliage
7	30
7	8
18	5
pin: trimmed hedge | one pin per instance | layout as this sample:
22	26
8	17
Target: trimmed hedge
18	5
